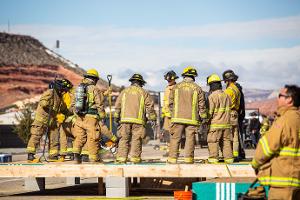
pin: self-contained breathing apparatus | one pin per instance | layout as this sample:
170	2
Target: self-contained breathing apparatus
81	99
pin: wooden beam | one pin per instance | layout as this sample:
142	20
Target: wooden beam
59	170
238	170
142	170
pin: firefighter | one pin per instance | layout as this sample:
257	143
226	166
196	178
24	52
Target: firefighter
277	160
104	131
89	109
45	121
66	124
219	121
232	90
187	106
131	108
170	77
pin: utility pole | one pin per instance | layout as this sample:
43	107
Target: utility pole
8	26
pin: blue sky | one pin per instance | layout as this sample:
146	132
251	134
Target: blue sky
260	40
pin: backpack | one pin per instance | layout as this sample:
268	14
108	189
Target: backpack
81	100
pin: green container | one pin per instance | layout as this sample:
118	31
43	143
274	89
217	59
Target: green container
219	191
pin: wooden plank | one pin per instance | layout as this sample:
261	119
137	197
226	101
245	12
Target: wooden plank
60	170
203	170
237	170
142	170
151	170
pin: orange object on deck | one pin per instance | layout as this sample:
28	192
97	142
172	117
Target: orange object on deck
183	195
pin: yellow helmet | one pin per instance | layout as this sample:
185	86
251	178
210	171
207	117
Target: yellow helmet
189	71
92	73
213	78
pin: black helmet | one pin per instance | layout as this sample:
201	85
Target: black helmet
229	75
61	85
170	75
67	84
137	77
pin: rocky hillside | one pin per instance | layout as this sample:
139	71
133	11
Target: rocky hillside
27	66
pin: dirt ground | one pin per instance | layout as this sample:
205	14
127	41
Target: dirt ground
13	188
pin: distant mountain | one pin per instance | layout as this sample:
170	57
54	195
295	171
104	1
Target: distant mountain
252	95
27	67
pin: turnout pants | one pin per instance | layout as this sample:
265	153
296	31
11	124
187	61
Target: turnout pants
284	193
130	137
86	130
37	131
219	138
104	131
176	132
66	138
235	132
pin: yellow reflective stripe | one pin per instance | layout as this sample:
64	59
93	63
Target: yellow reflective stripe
176	104
194	105
228	160
123	106
63	151
69	149
279	181
30	149
76	150
185	121
254	163
141	109
122	159
287	151
172	160
116	115
265	146
219	110
235	153
213	160
219	126
53	151
113	138
189	160
167	114
85	152
90	99
135	159
203	115
132	120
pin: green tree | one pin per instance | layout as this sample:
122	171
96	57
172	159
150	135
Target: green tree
24	121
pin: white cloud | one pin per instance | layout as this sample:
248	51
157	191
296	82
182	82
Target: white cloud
151	51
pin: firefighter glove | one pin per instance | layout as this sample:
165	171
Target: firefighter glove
60	118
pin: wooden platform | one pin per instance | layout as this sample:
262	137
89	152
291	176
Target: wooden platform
114	170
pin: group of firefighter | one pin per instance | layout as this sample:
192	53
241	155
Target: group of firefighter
65	112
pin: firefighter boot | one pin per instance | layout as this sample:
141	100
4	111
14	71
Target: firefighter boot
62	158
85	158
77	159
53	158
31	158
